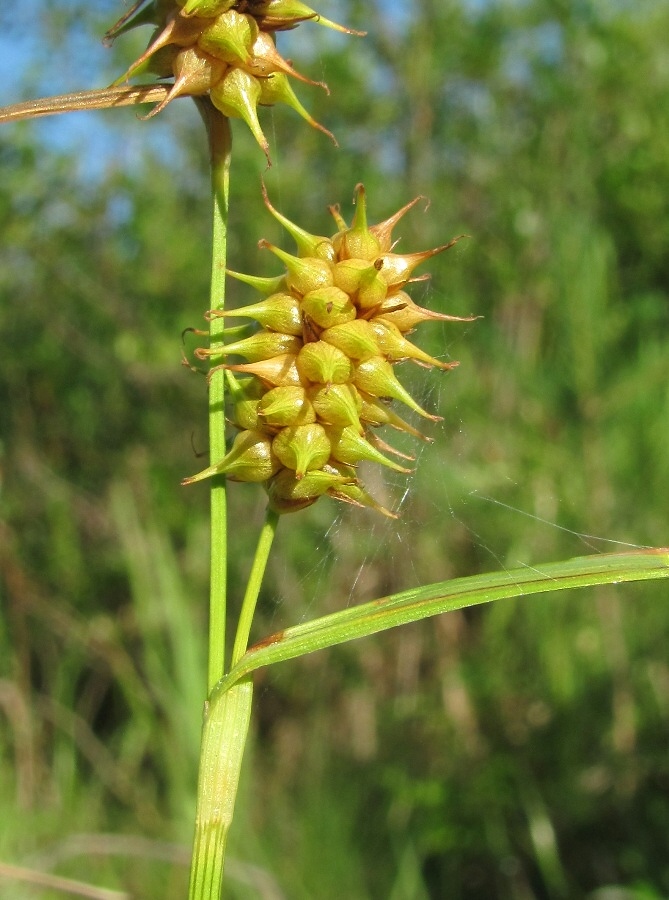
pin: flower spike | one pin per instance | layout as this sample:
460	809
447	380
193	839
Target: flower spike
319	370
236	39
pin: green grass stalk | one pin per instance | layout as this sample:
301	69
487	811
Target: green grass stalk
223	740
265	541
220	145
224	736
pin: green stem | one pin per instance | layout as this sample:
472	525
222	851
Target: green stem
253	585
220	142
223	740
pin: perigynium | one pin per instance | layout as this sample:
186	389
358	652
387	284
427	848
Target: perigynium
319	374
224	49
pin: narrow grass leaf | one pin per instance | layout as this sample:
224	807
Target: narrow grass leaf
431	600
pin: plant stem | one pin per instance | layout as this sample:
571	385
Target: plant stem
220	143
223	740
253	585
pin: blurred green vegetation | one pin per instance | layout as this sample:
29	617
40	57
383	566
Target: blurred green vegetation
515	752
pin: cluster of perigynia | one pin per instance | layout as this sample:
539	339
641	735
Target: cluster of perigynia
224	49
319	370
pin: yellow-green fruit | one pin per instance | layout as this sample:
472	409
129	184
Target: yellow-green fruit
279	312
337	404
246	398
356	339
236	95
328	306
287	493
302	447
283	406
322	363
260	346
280	370
401	310
304	273
395	346
250	459
361	281
351	448
230	37
375	376
205	7
376	412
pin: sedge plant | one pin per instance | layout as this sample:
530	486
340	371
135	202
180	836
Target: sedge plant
299	393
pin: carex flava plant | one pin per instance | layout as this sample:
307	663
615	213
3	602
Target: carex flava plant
316	382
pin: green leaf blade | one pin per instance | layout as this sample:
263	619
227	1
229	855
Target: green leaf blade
434	599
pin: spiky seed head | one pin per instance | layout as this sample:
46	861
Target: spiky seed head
330	329
232	34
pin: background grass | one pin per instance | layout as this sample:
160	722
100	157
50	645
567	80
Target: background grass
517	751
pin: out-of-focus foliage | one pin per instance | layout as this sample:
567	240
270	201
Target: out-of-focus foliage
518	752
